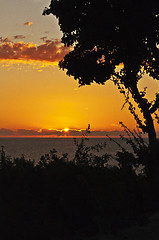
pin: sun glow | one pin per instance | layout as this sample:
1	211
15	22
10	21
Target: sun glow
66	129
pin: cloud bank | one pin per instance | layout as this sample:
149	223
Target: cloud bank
50	50
57	133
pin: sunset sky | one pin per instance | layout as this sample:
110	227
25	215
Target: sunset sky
36	98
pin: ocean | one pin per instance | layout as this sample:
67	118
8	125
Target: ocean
34	148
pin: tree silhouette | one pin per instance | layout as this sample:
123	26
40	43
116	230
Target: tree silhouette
108	33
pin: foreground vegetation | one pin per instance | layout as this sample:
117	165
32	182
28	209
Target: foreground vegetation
83	198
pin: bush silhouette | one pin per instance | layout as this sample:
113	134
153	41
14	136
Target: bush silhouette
58	198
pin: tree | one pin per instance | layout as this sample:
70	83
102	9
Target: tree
108	33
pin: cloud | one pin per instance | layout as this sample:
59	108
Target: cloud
95	133
28	24
4	40
19	37
43	39
57	133
50	51
6	132
25	132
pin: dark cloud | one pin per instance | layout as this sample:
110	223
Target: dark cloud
104	133
43	39
57	133
6	132
5	40
46	132
46	40
51	50
94	133
19	37
25	132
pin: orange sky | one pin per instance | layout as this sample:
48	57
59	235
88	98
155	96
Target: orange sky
40	96
35	94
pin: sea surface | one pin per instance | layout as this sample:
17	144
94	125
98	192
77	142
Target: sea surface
34	148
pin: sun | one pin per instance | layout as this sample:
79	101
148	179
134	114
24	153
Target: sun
66	129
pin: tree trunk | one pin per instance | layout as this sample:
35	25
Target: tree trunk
150	129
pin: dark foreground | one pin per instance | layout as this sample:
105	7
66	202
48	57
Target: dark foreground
81	199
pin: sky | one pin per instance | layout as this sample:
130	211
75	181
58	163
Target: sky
38	99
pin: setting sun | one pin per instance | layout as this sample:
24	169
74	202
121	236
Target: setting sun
66	129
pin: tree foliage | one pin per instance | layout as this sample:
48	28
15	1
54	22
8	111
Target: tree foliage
106	34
